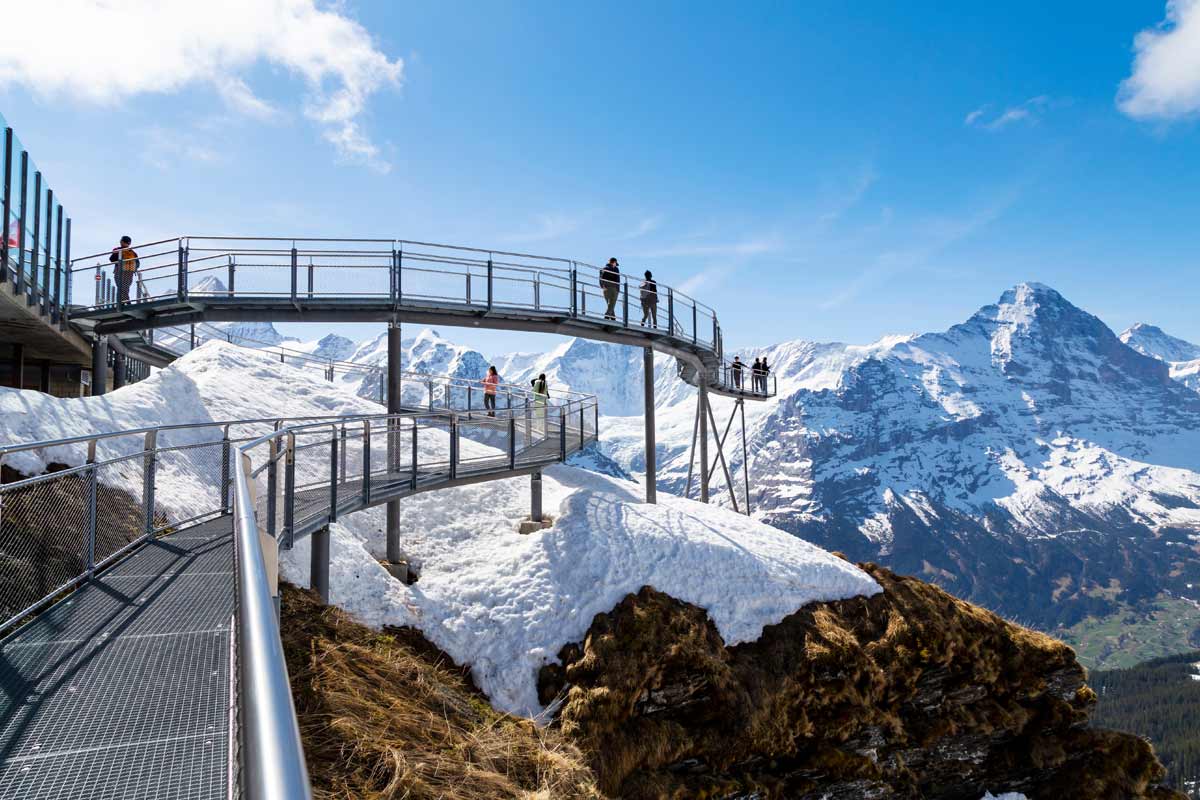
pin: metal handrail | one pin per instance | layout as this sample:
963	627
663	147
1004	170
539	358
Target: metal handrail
271	751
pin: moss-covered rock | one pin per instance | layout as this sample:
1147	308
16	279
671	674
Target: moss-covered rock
908	694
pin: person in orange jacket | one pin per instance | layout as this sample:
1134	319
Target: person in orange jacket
126	263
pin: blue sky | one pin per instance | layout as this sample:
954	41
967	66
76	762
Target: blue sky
822	170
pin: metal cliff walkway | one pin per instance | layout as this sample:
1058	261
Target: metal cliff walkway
228	279
161	675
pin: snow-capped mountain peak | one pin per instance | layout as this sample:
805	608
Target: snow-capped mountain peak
1153	341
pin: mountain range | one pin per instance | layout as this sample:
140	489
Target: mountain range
1028	459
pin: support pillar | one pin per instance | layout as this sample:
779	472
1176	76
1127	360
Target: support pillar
99	366
119	371
44	378
651	453
319	564
394	555
702	399
535	497
18	361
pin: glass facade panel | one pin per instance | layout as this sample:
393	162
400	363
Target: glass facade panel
33	210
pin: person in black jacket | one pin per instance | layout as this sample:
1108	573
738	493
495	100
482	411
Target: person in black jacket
736	370
610	284
649	296
766	373
756	374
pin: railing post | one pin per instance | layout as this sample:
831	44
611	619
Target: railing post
394	283
582	424
489	282
537	291
33	249
150	461
272	485
695	328
333	475
453	447
56	308
49	240
192	337
289	491
625	302
670	311
529	424
574	290
414	455
226	478
295	277
342	450
562	433
232	274
182	290
7	211
512	442
310	278
23	206
430	385
366	487
70	281
91	501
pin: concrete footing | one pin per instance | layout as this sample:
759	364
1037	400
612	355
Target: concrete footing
401	571
527	526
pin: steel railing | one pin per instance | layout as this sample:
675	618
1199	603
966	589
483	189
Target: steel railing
401	274
281	479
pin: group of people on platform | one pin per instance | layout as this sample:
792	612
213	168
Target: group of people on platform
760	371
491	382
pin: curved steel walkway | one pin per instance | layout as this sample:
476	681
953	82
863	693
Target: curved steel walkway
213	278
162	676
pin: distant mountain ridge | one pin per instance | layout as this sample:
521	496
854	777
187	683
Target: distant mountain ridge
1182	357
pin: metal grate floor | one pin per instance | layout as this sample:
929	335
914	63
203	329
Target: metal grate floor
122	689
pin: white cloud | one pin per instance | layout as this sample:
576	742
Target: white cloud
647	225
1029	111
1166	70
106	52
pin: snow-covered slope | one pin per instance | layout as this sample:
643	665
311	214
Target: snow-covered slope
1182	357
427	353
506	604
496	600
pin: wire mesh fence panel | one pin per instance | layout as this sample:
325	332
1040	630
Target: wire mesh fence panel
120	506
483	444
313	471
188	483
44	529
360	275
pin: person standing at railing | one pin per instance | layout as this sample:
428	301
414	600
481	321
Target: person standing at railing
126	263
756	374
610	285
766	372
490	382
541	393
735	369
649	301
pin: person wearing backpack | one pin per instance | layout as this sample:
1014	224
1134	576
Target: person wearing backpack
126	262
649	295
610	285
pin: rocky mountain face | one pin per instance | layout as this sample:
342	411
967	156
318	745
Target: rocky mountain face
906	694
1026	459
1181	357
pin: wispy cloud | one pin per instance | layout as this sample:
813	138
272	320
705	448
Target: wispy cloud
168	45
164	148
544	228
1165	82
744	247
935	236
852	194
646	226
1029	111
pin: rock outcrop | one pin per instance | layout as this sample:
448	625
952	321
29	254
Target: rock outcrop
907	694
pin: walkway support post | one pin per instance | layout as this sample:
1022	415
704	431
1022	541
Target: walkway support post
651	445
319	564
535	496
99	366
702	399
393	405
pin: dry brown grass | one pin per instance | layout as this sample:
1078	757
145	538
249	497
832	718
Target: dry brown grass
389	716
